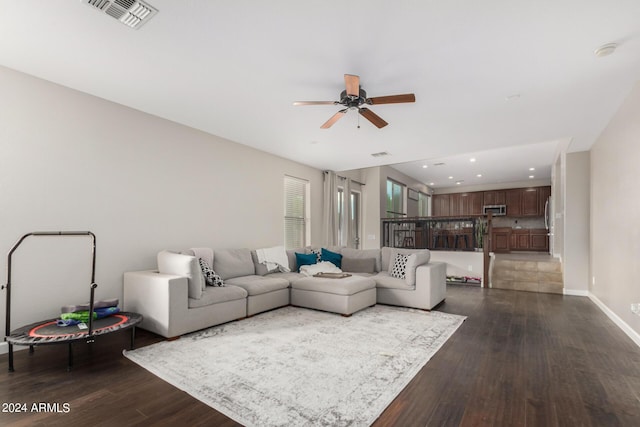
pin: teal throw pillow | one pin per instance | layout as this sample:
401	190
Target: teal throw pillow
305	259
332	257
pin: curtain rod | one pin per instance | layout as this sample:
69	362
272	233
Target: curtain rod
344	177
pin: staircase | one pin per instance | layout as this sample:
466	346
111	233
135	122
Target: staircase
527	273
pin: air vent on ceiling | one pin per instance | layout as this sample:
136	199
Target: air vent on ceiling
380	154
132	13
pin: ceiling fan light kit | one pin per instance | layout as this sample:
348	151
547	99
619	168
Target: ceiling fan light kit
354	97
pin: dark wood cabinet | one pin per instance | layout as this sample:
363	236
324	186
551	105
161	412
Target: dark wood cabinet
543	195
539	239
514	202
501	239
454	205
520	240
440	205
494	197
530	202
475	203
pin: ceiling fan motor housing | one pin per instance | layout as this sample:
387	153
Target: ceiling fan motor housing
353	102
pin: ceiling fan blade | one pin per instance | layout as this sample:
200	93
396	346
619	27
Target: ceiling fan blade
392	99
315	103
337	116
372	117
352	83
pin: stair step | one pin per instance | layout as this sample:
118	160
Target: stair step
528	275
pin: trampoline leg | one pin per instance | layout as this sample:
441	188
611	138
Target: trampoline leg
11	358
70	358
31	349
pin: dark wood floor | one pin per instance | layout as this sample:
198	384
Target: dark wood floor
520	359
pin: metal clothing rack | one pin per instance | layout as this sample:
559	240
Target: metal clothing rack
90	335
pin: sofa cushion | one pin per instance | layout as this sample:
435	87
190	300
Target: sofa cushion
384	280
230	263
261	269
257	285
345	286
291	254
217	294
359	265
399	267
363	253
333	257
289	277
183	265
211	277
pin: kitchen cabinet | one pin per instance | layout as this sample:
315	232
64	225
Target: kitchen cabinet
501	239
520	240
539	239
543	195
454	205
475	203
514	201
530	202
494	197
440	205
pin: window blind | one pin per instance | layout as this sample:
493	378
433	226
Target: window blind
295	209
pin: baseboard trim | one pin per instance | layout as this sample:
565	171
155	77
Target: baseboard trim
635	337
575	293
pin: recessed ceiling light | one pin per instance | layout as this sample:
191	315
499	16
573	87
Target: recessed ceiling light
513	97
605	50
450	177
473	159
432	183
479	175
531	176
424	166
532	169
459	182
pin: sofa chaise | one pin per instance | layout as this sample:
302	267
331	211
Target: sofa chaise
174	299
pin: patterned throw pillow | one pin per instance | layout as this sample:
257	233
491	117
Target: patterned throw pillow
399	266
318	253
210	276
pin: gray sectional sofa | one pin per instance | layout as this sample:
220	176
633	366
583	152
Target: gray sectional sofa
174	299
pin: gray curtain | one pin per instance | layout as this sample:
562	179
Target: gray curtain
347	234
330	209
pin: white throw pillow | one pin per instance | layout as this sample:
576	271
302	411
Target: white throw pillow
183	265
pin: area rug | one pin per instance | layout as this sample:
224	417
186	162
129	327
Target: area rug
300	367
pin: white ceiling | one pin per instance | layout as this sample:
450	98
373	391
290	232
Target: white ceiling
234	68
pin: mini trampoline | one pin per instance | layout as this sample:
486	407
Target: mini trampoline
47	332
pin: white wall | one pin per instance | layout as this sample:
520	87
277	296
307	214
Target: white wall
70	161
575	264
615	212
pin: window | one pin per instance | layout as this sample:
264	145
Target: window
395	199
296	212
423	204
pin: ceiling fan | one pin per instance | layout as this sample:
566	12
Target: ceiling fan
354	97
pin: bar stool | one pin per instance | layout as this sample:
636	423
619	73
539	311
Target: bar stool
466	240
440	235
407	242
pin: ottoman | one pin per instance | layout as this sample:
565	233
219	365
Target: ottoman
343	296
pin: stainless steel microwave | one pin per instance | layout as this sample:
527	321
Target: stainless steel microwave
496	210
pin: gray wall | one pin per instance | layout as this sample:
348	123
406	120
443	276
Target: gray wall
615	212
70	161
576	224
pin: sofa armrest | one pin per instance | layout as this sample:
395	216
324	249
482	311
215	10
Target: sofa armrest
162	299
431	282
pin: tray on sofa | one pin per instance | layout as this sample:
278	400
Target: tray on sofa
332	275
